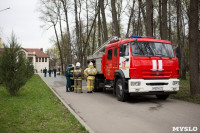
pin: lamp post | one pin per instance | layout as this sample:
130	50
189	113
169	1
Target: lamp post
5	9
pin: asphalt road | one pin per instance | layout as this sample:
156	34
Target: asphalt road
145	114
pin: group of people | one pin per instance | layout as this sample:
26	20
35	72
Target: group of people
45	71
74	76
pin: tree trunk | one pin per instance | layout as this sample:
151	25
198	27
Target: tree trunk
149	18
114	19
160	18
99	28
169	19
164	20
60	51
193	41
105	31
69	59
130	19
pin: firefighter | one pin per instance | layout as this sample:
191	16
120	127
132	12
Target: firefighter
49	72
68	75
71	77
90	73
45	72
78	74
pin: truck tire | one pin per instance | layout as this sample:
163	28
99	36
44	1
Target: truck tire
121	95
162	97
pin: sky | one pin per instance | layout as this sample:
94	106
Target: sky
23	19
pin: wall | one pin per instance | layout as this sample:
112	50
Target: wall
42	65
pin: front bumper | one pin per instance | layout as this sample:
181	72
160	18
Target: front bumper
153	86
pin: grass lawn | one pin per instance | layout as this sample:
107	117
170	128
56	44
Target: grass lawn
184	92
35	109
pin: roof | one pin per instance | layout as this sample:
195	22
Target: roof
38	52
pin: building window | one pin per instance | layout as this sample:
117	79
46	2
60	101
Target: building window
42	59
36	59
39	59
45	59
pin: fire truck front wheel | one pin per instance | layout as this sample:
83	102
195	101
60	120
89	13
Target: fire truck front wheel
162	97
121	94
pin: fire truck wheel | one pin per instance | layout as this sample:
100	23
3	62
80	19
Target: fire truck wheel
162	97
121	95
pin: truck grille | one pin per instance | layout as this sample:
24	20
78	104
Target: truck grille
156	84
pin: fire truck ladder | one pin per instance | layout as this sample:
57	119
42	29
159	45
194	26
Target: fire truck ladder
114	38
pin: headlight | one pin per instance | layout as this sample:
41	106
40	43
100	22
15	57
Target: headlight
135	83
175	83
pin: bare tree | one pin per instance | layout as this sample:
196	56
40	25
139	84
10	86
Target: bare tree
114	18
193	41
105	31
149	18
164	20
49	16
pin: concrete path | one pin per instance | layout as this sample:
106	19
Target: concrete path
104	114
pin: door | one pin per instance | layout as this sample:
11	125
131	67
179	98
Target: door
115	61
124	59
109	64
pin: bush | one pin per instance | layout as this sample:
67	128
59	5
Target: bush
12	66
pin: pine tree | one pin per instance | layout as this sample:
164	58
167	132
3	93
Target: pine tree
12	66
29	69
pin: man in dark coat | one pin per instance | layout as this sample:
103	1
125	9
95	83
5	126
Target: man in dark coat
54	71
68	75
45	72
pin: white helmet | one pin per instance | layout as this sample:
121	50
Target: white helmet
78	64
90	64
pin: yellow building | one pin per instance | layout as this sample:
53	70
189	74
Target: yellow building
39	59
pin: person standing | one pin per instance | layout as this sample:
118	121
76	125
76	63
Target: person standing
49	72
45	72
54	71
72	78
78	74
68	75
90	73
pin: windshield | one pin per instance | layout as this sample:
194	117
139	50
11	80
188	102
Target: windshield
152	49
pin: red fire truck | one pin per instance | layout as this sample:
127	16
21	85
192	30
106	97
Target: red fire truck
136	66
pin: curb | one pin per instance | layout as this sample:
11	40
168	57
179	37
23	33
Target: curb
71	110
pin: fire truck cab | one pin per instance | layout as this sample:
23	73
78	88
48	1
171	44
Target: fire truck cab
137	66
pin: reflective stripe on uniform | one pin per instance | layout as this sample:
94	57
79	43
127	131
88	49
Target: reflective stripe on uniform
79	88
72	85
89	86
71	71
91	78
71	78
77	79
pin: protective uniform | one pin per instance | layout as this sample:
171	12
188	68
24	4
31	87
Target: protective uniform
45	72
72	78
68	75
90	74
78	74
